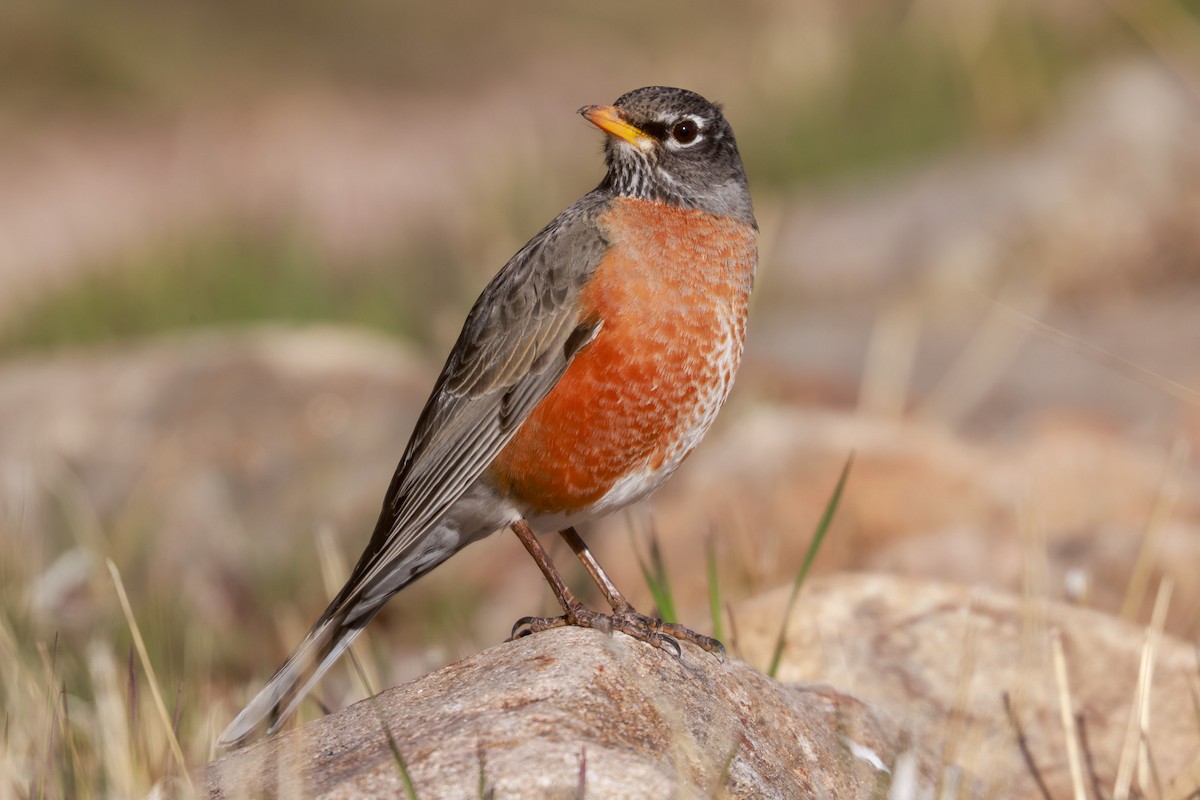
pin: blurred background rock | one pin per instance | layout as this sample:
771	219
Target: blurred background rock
237	239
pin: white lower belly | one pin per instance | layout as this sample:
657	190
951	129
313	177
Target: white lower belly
630	489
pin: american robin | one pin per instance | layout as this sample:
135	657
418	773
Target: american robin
589	368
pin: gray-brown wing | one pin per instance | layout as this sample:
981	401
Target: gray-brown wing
515	345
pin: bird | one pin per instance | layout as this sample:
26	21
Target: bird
589	368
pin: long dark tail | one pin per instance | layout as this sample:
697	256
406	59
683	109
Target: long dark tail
382	570
355	605
282	695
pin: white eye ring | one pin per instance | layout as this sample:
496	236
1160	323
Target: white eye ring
679	129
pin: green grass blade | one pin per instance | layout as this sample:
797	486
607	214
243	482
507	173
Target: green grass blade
809	557
714	589
663	598
719	789
655	575
485	791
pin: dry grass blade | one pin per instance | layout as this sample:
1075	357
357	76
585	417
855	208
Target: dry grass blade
1133	751
1023	745
1158	621
891	353
112	724
581	786
905	778
957	726
1088	757
1164	506
51	715
982	362
1102	356
151	678
1067	712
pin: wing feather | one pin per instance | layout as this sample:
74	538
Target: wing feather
515	345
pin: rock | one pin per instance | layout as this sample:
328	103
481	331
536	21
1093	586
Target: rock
574	713
942	658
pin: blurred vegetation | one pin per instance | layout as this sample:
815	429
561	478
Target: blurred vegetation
154	55
75	719
234	276
906	89
908	93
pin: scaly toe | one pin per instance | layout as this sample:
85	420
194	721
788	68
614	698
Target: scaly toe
670	644
651	630
527	626
706	643
666	635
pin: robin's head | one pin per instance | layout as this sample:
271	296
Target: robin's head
672	146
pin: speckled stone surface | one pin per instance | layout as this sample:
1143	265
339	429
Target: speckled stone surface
575	713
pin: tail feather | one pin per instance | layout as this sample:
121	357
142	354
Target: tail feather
320	649
355	605
339	647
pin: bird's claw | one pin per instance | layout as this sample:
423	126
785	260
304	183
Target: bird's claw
527	626
651	630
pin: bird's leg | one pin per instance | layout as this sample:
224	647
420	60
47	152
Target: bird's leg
575	611
613	595
627	621
625	617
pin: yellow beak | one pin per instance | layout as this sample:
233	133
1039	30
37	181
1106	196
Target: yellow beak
608	119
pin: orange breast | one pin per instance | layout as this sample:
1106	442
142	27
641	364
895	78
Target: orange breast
672	298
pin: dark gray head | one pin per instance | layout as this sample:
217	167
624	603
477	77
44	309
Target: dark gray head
672	146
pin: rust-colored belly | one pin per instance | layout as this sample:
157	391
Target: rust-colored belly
637	399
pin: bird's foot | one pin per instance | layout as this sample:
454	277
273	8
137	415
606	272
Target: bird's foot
651	630
675	631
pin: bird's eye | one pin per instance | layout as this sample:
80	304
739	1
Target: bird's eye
685	131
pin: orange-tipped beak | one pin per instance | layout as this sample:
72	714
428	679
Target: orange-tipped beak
608	119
